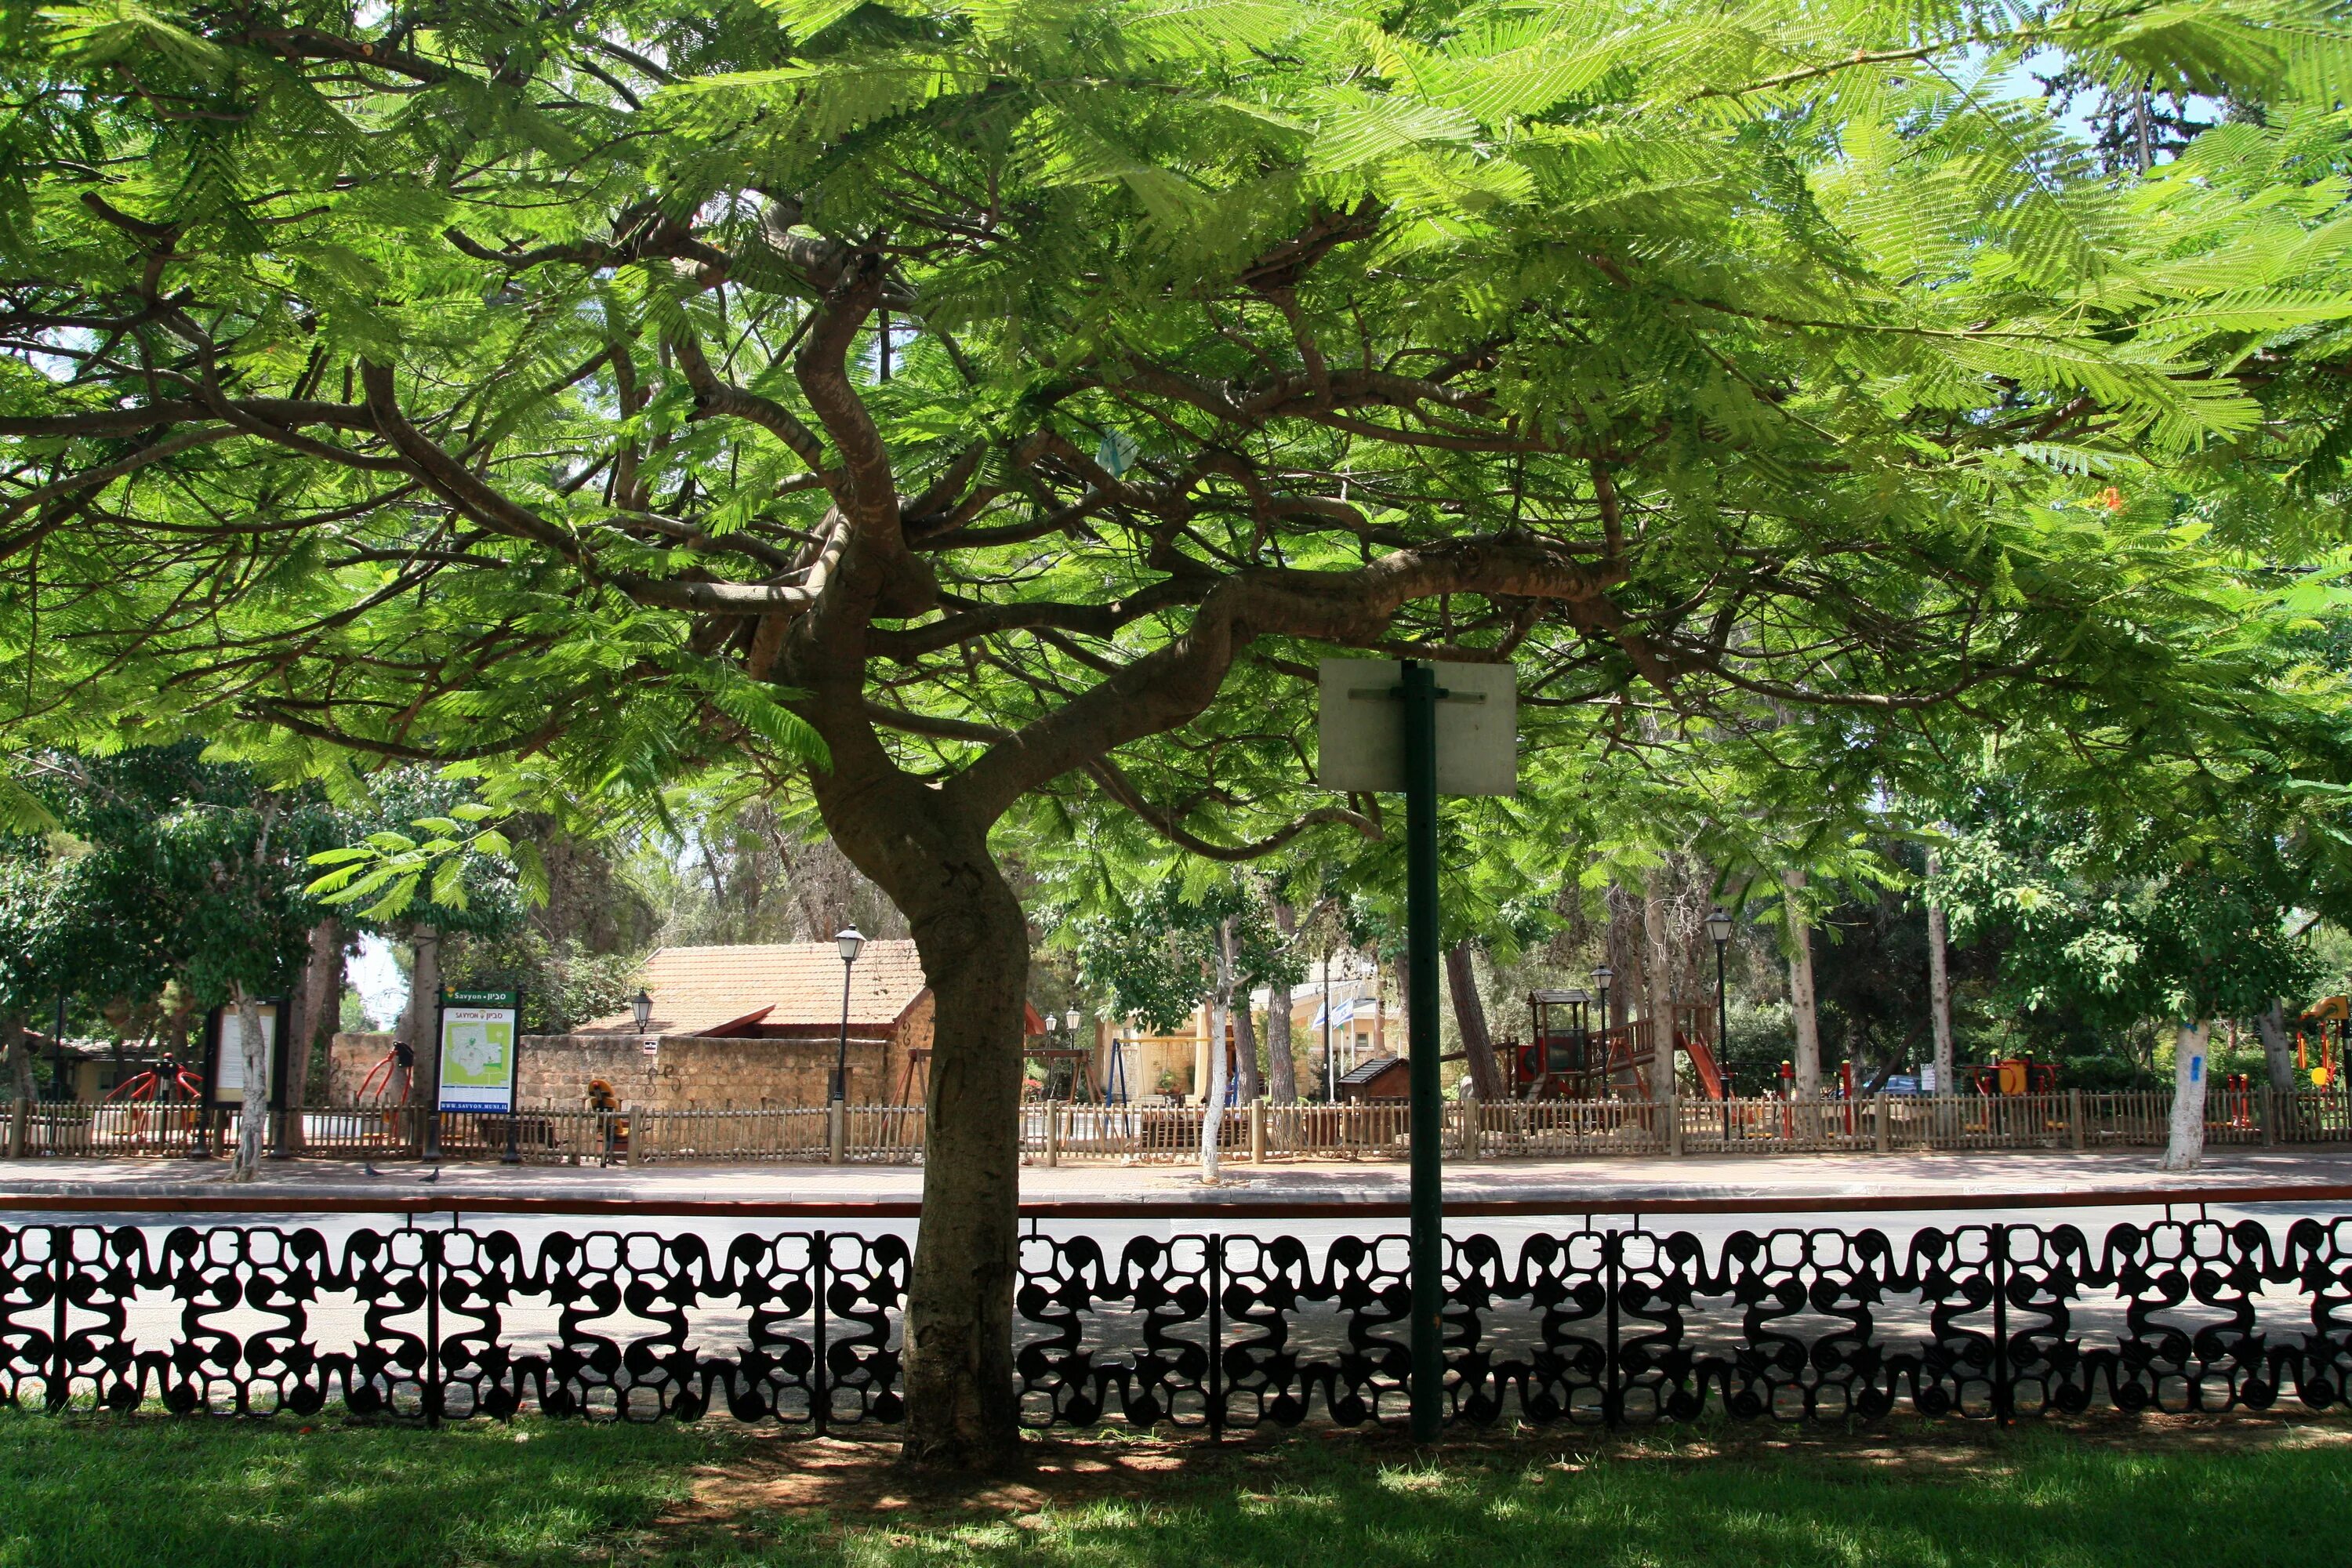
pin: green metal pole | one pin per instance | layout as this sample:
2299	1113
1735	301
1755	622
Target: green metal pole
1428	1245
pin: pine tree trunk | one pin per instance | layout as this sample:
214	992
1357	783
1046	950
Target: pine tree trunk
1657	987
1281	1066
2187	1144
423	1021
1939	984
1470	1016
320	1006
1801	1008
2278	1047
1624	957
1253	1087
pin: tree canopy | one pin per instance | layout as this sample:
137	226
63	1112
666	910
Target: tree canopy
974	411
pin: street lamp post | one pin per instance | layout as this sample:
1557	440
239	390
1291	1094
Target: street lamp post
1601	975
1718	927
849	940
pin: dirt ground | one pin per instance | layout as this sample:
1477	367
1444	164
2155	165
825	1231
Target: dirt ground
860	1479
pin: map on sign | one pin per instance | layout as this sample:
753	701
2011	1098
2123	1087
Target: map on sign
477	1051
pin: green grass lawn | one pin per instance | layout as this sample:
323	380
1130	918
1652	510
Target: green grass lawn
99	1493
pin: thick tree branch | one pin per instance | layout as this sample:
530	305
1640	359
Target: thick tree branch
1176	682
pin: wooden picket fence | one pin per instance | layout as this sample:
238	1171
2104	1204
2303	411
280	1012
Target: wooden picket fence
1072	1134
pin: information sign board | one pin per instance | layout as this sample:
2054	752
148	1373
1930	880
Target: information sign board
228	1053
479	1036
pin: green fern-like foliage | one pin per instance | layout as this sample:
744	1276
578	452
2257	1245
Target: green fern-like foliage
453	384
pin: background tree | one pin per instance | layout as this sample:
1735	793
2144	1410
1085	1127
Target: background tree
1180	944
160	869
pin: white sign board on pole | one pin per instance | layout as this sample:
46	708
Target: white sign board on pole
228	1067
1360	734
477	1051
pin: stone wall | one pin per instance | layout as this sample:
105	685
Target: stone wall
685	1072
348	1058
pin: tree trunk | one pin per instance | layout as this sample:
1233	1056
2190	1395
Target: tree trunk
1281	1066
423	1011
1939	984
1624	957
320	1008
930	858
1657	986
253	1112
2187	1144
1404	1006
1212	1107
1470	1016
1802	1009
2278	1047
20	1084
1253	1087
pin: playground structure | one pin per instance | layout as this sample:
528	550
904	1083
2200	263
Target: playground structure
399	1063
1067	1074
2328	1071
2011	1076
165	1099
1574	1057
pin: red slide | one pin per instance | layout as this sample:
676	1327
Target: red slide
1703	1058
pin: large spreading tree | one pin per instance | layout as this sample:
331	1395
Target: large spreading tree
949	409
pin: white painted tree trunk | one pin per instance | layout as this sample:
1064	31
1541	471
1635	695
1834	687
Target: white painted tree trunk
20	1072
2187	1144
1939	984
252	1119
1212	1111
1802	1009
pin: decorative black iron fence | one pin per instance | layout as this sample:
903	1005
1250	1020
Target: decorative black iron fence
1208	1332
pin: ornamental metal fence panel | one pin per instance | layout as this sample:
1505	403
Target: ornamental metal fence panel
1217	1330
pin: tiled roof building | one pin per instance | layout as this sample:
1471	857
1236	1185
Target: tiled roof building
774	990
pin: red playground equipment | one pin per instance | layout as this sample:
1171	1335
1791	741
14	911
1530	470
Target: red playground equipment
168	1087
398	1062
1576	1056
167	1078
2014	1075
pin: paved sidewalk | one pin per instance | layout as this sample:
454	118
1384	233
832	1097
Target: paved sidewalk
1970	1180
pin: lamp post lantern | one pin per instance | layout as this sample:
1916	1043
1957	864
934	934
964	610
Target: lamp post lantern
641	1006
849	940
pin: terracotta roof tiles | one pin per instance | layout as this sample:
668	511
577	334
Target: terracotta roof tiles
790	983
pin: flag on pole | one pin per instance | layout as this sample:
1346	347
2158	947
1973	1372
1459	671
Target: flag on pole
1343	1011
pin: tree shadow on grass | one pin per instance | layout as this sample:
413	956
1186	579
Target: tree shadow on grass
194	1493
2135	1493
